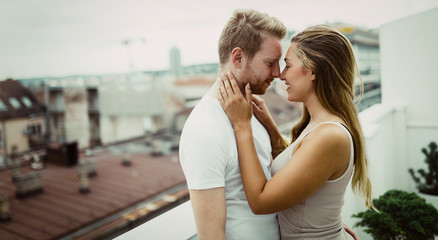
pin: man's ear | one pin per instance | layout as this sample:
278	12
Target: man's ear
237	56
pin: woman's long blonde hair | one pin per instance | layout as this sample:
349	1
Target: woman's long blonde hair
328	53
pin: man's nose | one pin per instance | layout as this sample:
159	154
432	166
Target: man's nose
276	71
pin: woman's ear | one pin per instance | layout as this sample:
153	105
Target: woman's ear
313	76
237	56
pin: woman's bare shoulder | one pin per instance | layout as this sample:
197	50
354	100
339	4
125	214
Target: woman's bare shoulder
328	135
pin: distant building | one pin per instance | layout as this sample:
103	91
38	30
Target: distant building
100	110
22	118
175	62
72	109
74	114
366	47
132	109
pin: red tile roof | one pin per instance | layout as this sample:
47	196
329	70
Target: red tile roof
61	210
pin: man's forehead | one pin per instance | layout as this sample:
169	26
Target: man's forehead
270	53
271	48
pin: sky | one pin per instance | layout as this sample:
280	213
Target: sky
57	38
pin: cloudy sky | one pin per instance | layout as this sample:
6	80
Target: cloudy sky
60	38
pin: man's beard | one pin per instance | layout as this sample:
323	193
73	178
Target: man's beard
248	75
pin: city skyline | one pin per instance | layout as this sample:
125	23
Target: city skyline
61	38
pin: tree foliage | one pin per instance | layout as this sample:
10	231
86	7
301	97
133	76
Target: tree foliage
401	215
427	181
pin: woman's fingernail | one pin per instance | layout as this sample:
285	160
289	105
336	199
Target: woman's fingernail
247	85
222	74
229	73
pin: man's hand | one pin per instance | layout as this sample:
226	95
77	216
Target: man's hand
351	232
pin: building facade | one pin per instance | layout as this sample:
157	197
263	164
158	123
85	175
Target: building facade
23	126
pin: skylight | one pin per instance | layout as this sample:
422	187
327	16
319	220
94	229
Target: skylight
3	106
26	102
15	103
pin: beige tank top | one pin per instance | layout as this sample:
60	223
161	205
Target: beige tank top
319	216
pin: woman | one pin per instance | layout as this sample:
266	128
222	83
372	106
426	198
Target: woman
310	175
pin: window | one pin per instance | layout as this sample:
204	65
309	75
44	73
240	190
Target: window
15	103
3	106
33	130
26	102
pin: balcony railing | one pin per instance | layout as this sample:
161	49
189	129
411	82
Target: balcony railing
177	223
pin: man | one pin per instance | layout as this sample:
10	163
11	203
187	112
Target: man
249	47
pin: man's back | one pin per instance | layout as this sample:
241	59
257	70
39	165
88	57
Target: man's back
208	154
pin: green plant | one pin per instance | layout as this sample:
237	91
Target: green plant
401	215
430	183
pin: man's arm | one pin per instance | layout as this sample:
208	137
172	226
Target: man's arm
210	211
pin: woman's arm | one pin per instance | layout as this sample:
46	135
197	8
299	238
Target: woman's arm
317	158
278	143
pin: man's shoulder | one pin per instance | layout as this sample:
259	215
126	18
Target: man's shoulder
207	127
207	114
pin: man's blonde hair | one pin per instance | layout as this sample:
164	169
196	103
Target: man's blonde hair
246	29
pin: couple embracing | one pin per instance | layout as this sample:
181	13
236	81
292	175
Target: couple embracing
245	180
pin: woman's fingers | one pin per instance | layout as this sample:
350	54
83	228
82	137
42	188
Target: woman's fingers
248	93
227	84
256	107
230	91
256	99
220	95
233	83
223	90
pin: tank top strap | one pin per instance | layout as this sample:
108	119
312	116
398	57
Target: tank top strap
332	122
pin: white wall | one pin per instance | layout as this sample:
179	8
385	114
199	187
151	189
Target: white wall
77	122
119	128
419	136
409	52
407	119
385	132
14	132
138	98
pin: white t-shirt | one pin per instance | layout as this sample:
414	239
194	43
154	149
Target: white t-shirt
209	159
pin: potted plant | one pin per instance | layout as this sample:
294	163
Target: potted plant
401	215
429	184
427	180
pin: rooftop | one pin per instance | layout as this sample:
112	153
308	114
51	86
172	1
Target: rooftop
17	101
120	197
